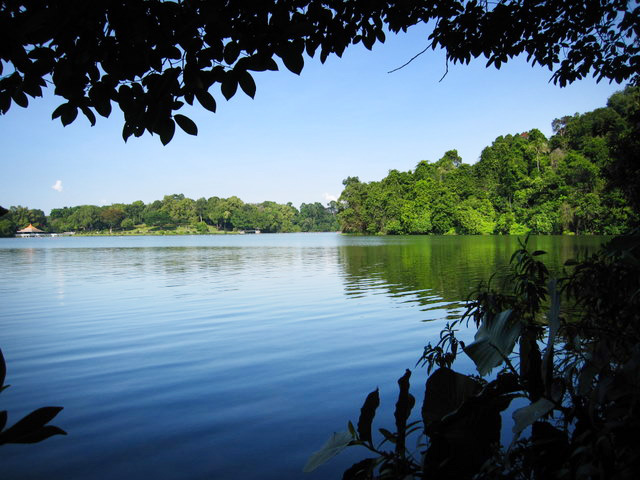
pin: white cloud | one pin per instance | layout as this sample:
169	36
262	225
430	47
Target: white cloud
330	198
57	186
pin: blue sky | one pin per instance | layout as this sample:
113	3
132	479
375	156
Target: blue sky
298	139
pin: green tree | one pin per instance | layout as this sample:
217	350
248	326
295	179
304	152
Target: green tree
624	142
112	217
474	217
350	206
60	219
201	208
23	216
86	218
157	218
127	224
214	212
588	214
135	211
182	210
231	207
314	217
447	163
415	218
578	172
7	228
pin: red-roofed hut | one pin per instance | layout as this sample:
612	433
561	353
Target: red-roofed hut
29	230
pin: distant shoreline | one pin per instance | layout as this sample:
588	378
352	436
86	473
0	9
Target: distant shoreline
150	234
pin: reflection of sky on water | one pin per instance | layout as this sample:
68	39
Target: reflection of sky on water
173	354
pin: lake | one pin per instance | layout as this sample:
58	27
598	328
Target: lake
223	357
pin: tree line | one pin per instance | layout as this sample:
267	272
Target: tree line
581	180
201	216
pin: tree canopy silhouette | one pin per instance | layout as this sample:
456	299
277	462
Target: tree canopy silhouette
149	57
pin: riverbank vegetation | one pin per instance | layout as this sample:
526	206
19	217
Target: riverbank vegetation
567	356
575	182
176	214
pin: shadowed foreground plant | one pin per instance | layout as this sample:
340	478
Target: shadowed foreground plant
576	369
32	428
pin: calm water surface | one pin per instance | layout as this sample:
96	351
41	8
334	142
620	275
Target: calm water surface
222	357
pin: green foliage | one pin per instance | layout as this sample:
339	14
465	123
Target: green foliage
127	224
201	227
393	227
18	217
157	218
522	183
314	217
149	57
7	228
112	217
580	390
33	428
475	217
86	218
518	229
178	213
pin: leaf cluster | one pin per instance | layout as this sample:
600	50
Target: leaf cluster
150	57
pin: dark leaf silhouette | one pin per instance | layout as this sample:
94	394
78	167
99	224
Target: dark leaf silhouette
293	61
3	369
33	427
404	405
206	100
247	84
21	99
89	114
361	470
229	85
445	391
186	124
34	436
167	131
367	413
30	424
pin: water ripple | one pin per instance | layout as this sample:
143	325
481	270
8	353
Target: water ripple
183	357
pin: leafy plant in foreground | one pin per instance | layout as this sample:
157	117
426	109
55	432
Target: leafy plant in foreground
569	349
32	428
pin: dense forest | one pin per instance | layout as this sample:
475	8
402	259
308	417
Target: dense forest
177	212
572	182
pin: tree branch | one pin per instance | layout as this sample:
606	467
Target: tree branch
412	59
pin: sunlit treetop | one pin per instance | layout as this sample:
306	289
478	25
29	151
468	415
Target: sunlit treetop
149	57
